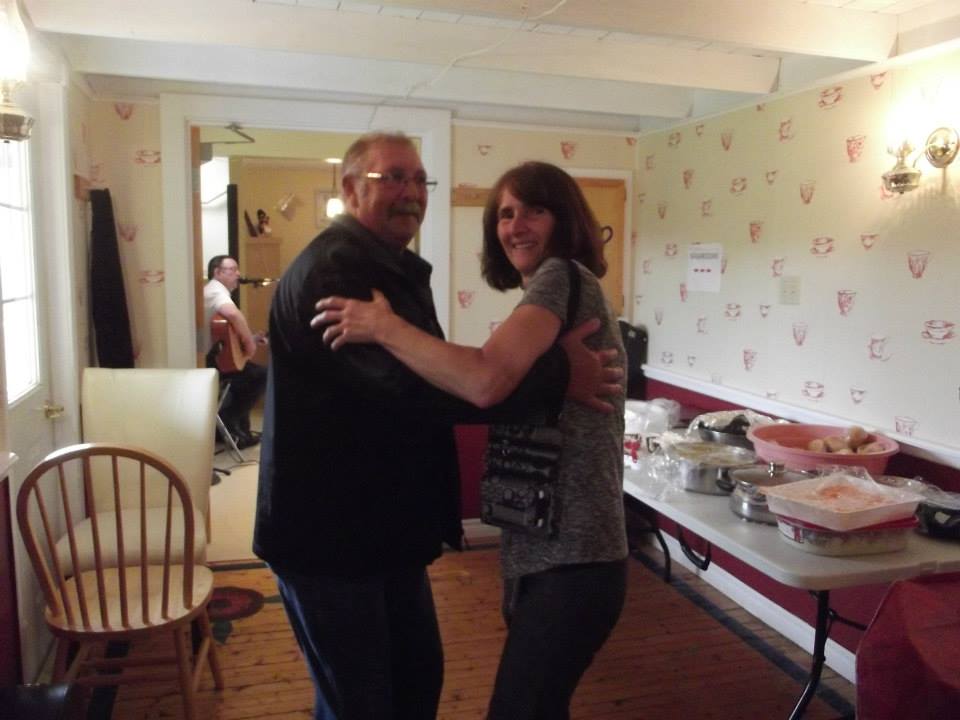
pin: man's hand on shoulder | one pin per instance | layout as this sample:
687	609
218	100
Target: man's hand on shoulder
594	374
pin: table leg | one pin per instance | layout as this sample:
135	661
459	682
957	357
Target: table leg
651	520
666	553
821	631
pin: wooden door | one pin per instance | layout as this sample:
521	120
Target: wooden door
607	197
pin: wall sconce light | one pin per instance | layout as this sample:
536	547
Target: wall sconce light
15	124
940	150
334	203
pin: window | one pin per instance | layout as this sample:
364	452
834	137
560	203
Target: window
20	334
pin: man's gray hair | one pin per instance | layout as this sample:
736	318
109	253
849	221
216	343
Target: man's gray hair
355	159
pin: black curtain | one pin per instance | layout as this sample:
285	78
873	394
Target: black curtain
108	301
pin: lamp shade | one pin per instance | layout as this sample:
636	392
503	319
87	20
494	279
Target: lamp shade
334	207
14	45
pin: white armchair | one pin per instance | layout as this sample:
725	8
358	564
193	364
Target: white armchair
169	412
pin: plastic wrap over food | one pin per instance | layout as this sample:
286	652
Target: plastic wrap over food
731	421
842	499
652	417
654	475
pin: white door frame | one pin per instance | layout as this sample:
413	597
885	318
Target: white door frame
179	112
52	211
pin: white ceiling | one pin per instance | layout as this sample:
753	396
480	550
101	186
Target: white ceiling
615	64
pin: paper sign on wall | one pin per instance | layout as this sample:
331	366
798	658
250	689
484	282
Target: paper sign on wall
704	266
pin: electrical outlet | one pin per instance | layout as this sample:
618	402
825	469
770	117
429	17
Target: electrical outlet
790	290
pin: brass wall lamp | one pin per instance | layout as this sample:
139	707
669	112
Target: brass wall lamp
15	124
939	150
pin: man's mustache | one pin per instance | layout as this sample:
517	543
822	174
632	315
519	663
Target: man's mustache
407	208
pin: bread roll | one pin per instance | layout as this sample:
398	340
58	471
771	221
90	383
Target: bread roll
857	436
835	443
874	447
816	445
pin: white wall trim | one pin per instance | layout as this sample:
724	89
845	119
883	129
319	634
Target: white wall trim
915	447
179	112
786	623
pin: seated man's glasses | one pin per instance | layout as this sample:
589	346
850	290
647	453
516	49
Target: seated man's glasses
396	180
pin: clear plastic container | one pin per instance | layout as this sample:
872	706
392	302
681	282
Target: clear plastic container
841	502
881	538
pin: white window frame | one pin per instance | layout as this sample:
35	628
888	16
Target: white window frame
21	353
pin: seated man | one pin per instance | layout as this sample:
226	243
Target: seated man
246	385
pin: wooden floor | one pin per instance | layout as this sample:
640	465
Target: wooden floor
667	659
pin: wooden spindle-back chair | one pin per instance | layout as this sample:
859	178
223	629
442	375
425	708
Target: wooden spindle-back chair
117	601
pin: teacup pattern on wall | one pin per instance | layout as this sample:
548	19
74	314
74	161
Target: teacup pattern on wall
147	157
465	298
785	131
845	300
854	145
830	97
937	332
917	262
123	110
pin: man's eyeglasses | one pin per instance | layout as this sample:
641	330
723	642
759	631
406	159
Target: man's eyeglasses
397	180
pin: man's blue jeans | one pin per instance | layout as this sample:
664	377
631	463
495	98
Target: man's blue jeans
372	644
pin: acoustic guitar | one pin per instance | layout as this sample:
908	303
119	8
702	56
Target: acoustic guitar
230	357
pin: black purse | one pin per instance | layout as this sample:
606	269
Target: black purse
521	464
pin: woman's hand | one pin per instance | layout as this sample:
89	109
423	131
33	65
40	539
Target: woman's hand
352	321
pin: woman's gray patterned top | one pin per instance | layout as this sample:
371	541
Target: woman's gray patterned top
590	485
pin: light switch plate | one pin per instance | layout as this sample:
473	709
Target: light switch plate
790	290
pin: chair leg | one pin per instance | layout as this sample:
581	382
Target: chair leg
212	657
227	437
184	663
60	660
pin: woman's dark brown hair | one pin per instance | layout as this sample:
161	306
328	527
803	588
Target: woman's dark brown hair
576	233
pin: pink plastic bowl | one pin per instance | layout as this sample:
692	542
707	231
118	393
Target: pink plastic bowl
787	443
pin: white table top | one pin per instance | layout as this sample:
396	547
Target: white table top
761	546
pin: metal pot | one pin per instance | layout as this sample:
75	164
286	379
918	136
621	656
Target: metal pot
725	438
748	499
704	466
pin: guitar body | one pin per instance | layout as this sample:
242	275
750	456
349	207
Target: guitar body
230	359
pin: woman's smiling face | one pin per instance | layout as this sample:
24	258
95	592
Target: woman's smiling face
524	232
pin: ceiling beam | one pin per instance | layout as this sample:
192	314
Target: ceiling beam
774	25
305	29
388	80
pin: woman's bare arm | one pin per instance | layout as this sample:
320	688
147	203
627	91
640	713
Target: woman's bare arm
483	376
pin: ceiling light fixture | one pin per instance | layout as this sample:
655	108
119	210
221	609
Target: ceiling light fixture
15	124
334	203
